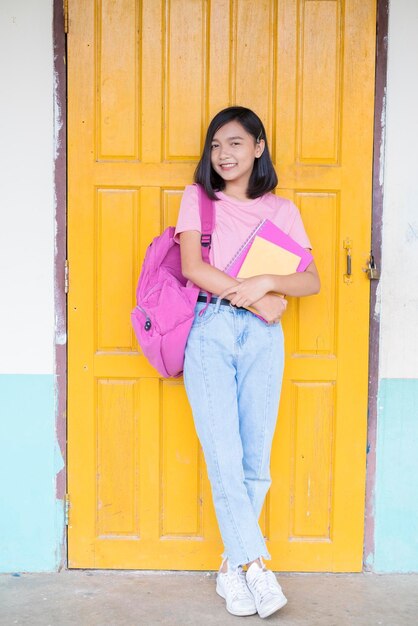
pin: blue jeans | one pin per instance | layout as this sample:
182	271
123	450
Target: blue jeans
232	373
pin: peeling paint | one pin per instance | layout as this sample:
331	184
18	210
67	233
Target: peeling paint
60	322
382	141
61	339
58	123
60	300
58	459
377	307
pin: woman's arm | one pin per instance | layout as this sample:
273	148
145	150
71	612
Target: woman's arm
194	268
210	279
249	290
305	283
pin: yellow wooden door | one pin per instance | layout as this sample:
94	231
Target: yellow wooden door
144	80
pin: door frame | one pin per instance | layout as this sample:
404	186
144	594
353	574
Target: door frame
60	295
60	190
382	19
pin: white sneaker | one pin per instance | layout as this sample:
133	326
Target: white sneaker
268	594
232	586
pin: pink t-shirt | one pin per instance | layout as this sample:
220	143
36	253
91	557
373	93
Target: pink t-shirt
235	220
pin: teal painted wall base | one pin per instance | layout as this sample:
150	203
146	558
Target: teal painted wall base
31	519
396	510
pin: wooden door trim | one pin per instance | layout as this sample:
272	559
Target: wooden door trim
60	298
382	18
60	188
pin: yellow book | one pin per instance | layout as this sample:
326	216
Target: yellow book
265	257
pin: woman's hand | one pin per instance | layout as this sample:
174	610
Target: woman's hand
248	291
254	293
271	307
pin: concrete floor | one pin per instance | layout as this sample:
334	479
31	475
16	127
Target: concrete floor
108	598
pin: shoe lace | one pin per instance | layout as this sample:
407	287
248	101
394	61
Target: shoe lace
265	583
237	582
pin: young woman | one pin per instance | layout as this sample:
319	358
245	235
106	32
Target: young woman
234	360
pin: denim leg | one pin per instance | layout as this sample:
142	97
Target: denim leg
211	385
259	378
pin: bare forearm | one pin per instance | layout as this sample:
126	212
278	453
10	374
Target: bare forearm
209	278
298	284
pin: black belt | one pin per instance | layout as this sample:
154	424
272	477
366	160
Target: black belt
214	300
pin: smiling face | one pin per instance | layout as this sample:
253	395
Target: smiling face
233	153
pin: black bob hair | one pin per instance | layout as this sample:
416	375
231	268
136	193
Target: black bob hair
263	177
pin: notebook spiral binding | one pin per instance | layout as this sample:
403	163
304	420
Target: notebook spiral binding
244	245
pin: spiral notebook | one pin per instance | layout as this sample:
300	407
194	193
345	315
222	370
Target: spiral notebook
268	250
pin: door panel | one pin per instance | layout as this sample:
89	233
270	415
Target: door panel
145	78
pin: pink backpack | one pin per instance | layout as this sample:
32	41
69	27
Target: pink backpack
164	313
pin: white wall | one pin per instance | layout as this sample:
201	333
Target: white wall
27	192
396	502
31	515
399	284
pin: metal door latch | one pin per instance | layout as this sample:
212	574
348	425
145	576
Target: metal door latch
347	247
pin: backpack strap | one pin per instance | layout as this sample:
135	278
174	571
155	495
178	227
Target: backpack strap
207	219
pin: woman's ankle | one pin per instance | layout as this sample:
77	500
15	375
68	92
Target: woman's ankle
258	561
224	566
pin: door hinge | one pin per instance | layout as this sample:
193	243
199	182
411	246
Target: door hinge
65	7
67	509
66	276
